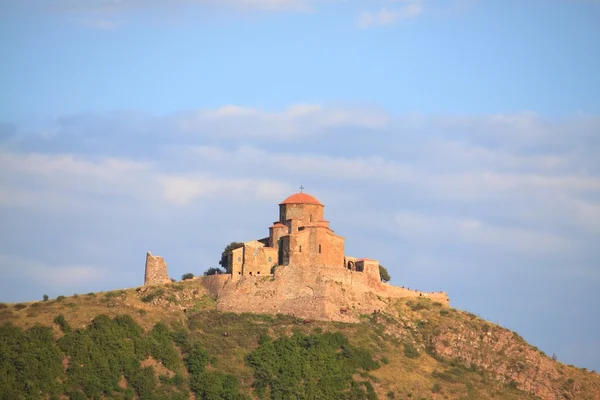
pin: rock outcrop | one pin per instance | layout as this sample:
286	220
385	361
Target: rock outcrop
156	270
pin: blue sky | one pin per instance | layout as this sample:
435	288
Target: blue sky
456	141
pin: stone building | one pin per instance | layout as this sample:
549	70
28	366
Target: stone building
301	237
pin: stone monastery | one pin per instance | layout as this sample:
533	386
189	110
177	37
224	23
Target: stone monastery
300	237
299	269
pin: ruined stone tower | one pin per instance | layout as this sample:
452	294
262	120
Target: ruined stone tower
156	270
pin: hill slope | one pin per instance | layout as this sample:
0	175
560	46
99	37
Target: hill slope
170	342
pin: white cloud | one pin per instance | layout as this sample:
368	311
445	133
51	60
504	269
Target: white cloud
183	189
57	276
446	229
296	120
391	14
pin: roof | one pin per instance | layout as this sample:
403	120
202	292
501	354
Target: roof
301	198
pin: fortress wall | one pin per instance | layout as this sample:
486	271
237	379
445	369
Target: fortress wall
215	283
308	291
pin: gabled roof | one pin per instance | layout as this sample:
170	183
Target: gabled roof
301	198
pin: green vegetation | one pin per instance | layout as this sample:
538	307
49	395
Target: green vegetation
384	274
228	249
45	297
113	358
154	293
213	271
140	344
319	366
187	276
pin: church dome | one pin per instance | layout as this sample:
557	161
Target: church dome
301	198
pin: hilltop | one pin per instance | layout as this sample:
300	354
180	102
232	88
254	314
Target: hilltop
172	342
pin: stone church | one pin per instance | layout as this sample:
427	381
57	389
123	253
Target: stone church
301	237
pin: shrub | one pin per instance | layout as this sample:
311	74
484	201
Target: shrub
151	296
20	306
436	388
187	276
410	351
114	293
62	323
45	297
60	298
3	305
213	271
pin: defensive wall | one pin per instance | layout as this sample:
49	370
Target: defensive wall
310	292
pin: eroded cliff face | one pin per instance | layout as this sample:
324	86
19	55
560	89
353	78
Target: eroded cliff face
504	354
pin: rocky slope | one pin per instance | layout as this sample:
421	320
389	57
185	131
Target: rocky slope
424	349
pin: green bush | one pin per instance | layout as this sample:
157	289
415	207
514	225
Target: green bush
20	306
30	363
62	323
187	276
45	297
114	293
410	351
308	367
151	296
60	298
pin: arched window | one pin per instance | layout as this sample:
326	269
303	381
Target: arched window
319	249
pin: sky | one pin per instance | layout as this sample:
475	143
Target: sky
456	141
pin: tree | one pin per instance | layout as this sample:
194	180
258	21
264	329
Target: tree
45	297
213	271
384	274
228	249
187	276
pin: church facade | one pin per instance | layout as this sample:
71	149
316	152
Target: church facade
300	237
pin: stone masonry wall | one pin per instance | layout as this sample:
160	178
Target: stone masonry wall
311	292
156	270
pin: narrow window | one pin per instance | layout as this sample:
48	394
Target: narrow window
239	259
250	273
311	218
319	248
239	273
300	249
258	273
